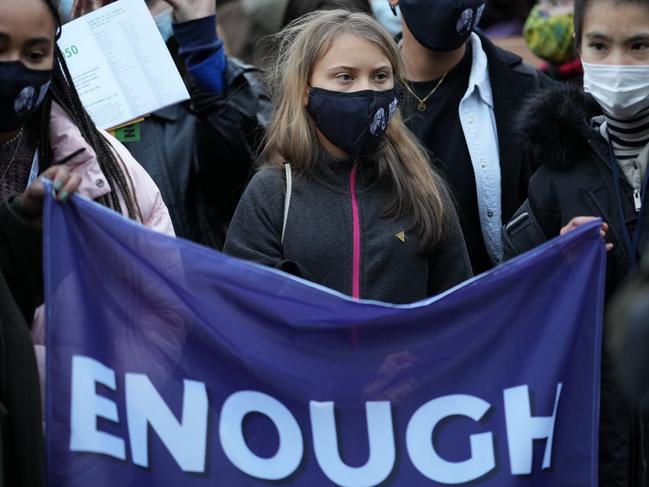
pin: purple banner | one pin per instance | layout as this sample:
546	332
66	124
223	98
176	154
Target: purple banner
173	365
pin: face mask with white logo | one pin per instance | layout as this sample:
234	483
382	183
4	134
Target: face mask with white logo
354	121
621	90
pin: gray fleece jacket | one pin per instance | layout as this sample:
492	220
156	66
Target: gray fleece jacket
337	236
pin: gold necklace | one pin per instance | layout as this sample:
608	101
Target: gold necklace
421	106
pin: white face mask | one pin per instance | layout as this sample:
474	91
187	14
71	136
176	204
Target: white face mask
621	90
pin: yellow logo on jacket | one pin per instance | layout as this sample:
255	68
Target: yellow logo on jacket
401	236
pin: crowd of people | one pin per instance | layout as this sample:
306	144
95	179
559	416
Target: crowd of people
387	149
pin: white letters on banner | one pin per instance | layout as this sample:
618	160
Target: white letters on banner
423	454
382	445
289	453
87	406
523	429
187	442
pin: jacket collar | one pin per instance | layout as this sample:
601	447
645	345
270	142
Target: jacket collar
512	82
335	173
554	127
511	79
69	145
170	113
498	55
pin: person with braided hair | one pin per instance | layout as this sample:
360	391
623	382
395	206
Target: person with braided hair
43	122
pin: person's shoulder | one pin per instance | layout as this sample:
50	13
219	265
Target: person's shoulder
501	57
265	193
553	126
237	71
147	194
133	167
269	180
269	175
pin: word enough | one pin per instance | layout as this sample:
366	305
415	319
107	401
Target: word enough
186	440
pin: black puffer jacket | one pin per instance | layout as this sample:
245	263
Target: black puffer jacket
384	264
576	179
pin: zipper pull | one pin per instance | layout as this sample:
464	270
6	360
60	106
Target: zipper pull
637	200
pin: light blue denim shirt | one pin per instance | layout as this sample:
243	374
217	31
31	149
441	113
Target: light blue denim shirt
479	126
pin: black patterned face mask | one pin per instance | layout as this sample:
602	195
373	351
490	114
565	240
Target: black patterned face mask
356	121
441	25
22	91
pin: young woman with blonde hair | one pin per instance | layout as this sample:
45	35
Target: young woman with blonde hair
347	198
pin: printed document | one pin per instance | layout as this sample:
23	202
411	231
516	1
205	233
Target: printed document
120	64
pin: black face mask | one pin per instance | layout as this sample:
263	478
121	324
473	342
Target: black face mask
441	25
22	90
355	122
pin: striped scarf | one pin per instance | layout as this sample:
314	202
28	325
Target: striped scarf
630	141
628	137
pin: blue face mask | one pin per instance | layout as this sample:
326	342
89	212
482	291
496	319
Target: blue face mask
65	10
383	13
164	23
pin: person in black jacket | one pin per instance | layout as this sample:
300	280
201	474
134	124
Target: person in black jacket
200	153
628	314
462	93
594	150
22	451
357	208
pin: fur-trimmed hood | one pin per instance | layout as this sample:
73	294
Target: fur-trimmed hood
553	126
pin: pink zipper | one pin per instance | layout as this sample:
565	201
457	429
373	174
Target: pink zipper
356	256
